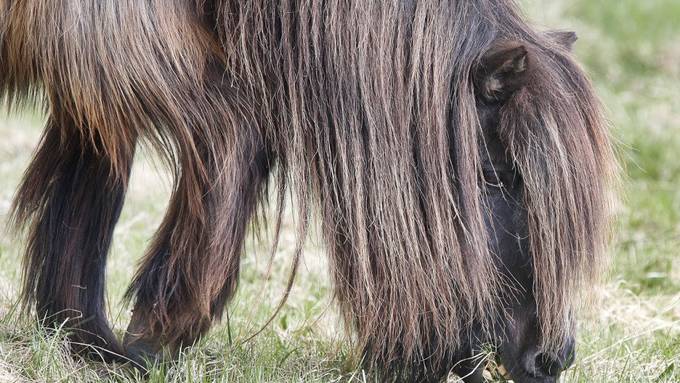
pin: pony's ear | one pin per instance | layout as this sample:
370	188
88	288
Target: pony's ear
564	38
502	70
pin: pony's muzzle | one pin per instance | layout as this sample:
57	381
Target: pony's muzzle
540	364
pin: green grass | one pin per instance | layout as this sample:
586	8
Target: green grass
632	50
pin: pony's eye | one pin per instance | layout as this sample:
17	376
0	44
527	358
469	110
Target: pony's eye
493	178
499	178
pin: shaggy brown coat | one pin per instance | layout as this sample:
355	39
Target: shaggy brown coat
368	112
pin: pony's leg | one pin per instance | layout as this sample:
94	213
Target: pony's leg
192	267
72	201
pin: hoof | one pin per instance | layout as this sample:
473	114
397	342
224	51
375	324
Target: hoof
142	353
143	348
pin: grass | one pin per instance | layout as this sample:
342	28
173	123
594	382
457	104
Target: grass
632	50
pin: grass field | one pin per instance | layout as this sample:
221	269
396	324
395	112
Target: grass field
632	50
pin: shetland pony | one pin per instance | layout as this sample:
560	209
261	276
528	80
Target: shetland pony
457	158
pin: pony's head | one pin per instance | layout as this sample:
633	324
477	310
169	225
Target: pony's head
538	200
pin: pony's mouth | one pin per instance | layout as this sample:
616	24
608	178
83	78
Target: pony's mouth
489	369
495	371
499	369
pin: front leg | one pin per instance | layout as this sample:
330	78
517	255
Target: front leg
192	267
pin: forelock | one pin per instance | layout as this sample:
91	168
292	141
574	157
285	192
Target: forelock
559	139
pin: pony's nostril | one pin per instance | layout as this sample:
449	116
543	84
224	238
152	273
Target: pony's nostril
547	364
544	364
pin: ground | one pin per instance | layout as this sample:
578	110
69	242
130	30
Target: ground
631	49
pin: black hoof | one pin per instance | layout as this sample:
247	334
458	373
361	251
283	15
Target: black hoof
143	349
143	354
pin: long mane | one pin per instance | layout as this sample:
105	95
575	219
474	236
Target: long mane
376	120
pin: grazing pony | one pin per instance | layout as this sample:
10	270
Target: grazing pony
457	158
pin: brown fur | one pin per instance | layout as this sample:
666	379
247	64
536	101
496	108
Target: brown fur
367	109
